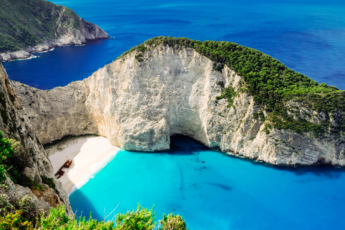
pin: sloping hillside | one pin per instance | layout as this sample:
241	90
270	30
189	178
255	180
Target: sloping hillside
26	24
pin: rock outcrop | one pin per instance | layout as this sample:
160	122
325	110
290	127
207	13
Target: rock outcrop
88	31
15	124
76	37
139	105
37	26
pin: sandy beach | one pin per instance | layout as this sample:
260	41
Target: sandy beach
89	154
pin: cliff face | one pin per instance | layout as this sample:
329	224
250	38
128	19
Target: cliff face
139	105
37	25
16	125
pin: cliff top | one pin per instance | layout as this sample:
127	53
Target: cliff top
29	22
270	82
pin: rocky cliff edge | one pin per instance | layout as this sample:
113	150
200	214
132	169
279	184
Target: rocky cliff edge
36	26
15	124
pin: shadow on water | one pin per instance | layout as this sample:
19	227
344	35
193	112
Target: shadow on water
183	145
222	186
78	199
318	170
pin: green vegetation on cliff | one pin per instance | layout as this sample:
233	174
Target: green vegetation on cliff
270	82
30	22
57	219
6	153
13	160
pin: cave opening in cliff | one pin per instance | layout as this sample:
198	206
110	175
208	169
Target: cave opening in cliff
181	144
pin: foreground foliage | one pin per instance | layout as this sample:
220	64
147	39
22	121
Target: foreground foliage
172	221
269	81
13	160
139	219
14	221
57	219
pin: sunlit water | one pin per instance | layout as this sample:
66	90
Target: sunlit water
306	35
215	191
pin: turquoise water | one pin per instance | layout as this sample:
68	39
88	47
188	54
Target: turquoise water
307	36
215	191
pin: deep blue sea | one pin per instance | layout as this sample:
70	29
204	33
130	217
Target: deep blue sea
214	191
306	35
210	190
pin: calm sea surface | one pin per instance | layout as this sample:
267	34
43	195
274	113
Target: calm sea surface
307	36
210	190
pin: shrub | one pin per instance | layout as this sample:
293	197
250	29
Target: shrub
172	222
26	204
15	221
218	66
58	219
6	152
5	205
12	162
139	57
228	93
3	108
221	84
141	219
48	181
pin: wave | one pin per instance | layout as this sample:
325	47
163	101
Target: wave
46	50
176	5
28	58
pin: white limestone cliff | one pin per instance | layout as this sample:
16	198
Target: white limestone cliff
139	105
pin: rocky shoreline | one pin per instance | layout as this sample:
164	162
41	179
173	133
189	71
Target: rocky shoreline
88	31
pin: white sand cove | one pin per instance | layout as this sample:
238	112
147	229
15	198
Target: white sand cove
89	154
